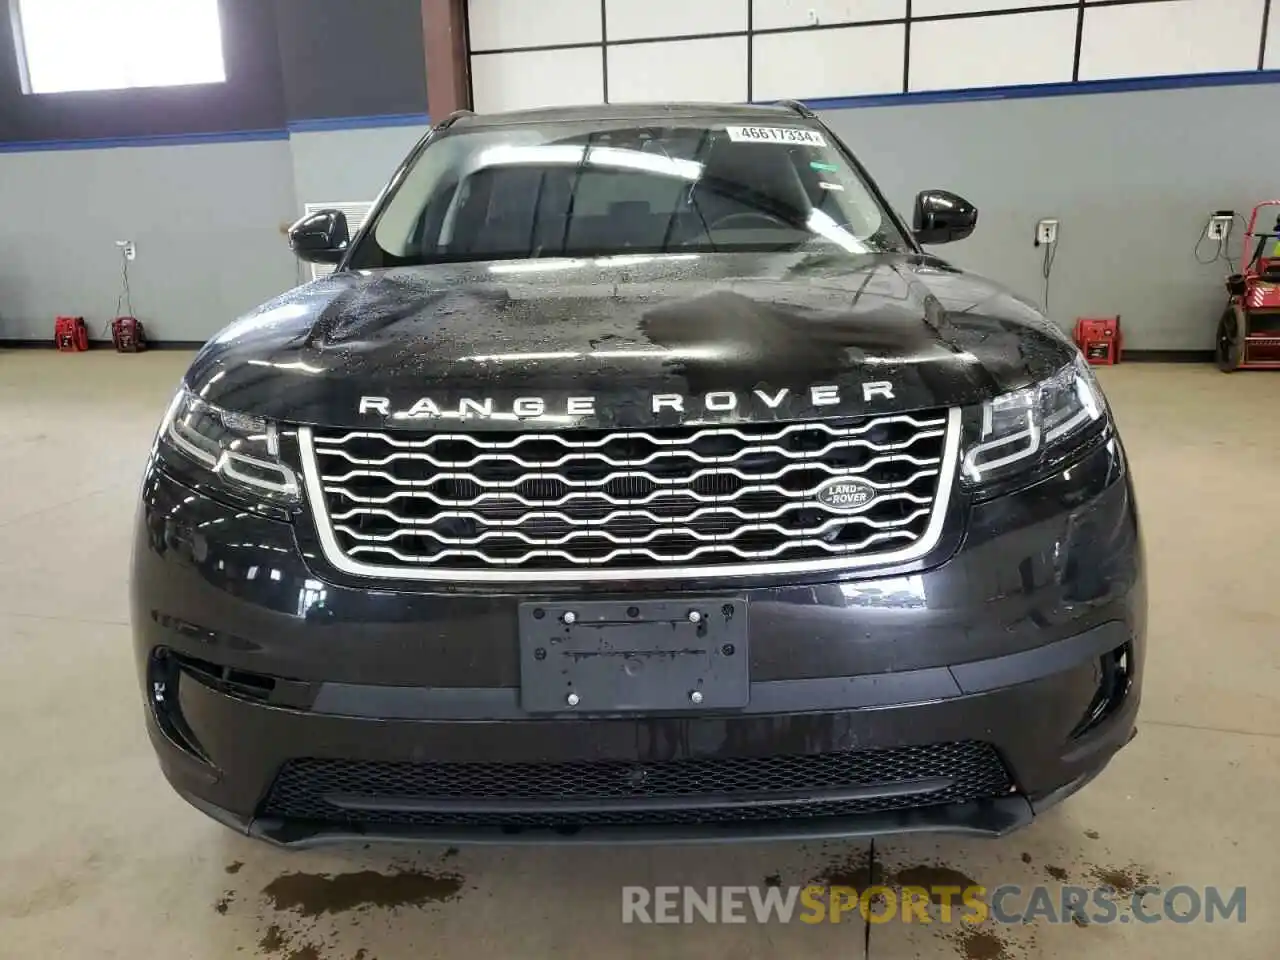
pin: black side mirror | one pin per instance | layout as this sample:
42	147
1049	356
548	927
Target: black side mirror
320	237
942	216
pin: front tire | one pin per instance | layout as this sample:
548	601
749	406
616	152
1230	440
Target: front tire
1229	342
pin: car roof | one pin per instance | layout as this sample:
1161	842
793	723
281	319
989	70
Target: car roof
634	111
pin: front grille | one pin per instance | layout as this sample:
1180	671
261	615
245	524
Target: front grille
630	503
688	791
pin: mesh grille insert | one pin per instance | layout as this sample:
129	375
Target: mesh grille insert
691	791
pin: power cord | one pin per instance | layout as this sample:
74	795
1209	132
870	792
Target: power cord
124	299
1244	225
1050	254
1223	252
1217	254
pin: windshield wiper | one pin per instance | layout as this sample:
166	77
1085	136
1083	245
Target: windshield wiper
693	202
573	192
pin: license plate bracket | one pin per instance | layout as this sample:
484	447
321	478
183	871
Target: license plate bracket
641	656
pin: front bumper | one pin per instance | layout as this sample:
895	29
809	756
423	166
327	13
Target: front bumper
253	656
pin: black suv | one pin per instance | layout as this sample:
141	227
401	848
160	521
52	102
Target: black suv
637	475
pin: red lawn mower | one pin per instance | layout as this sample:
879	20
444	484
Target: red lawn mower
1249	331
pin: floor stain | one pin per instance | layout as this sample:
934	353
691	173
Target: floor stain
224	902
1092	834
55	892
52	894
854	869
1125	879
773	880
234	866
859	871
314	894
1058	873
450	853
931	877
980	945
276	941
273	941
1026	857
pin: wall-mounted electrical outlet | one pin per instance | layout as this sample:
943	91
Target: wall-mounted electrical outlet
128	248
1046	232
1219	225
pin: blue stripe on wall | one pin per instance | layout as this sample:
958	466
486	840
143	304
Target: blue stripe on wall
235	136
359	123
1037	90
107	143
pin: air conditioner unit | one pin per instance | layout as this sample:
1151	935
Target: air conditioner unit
356	212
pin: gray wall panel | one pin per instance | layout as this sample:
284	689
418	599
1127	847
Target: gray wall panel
345	165
206	219
1132	177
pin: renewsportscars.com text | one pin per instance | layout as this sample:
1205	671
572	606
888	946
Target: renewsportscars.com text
1006	904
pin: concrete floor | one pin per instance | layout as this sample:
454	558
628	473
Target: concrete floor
99	859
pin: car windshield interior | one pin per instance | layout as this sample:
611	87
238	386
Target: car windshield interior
557	190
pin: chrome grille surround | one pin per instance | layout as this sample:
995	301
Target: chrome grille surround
618	524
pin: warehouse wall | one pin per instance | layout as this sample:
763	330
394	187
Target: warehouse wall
351	58
251	99
349	165
1131	176
355	93
202	178
1013	103
584	51
205	219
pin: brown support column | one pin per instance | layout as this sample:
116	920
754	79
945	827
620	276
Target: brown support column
444	31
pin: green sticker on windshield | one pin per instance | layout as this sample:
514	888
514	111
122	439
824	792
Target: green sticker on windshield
828	167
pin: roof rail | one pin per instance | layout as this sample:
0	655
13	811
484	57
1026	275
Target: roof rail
453	118
798	107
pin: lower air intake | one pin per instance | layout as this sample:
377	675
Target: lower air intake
619	793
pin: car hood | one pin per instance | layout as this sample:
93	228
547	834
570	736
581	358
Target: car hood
629	341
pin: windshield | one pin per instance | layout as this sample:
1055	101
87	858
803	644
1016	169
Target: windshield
601	188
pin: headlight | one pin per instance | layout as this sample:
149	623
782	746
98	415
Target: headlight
242	453
1029	430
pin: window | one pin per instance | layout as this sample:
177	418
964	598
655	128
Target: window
68	45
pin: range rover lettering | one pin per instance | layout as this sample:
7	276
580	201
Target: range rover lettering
637	475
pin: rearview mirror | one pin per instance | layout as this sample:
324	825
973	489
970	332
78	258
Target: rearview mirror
942	216
320	237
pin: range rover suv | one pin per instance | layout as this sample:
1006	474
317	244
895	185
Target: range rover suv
637	475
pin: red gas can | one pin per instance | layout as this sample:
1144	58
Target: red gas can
128	335
1099	339
70	335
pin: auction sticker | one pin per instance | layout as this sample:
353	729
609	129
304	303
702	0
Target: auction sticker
798	135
